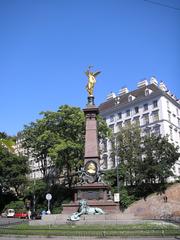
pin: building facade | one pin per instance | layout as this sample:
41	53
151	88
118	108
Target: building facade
35	167
151	105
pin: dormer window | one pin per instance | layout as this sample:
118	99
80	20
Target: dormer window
148	91
130	98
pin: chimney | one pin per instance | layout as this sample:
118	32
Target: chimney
154	81
123	91
162	86
110	96
143	83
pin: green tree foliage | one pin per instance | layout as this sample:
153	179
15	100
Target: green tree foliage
126	145
7	141
159	156
36	192
13	170
145	163
58	139
68	151
18	206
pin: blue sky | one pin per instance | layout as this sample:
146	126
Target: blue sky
46	46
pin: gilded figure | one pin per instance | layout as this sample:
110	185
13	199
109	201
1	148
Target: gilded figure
91	80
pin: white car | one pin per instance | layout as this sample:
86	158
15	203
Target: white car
8	213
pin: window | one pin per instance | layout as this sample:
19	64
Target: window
136	120
112	118
147	131
111	127
105	145
120	115
171	133
105	163
178	122
169	116
112	157
146	118
136	109
127	122
119	126
157	130
155	115
128	113
130	98
145	107
155	104
147	91
167	104
177	111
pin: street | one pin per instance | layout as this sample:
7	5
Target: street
81	238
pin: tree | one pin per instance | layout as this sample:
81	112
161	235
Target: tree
58	140
128	150
7	141
37	139
13	170
68	151
145	163
159	156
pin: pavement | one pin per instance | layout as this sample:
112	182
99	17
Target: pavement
11	221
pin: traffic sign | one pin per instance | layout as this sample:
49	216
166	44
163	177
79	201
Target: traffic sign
48	196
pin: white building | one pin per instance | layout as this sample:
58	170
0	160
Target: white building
151	105
34	166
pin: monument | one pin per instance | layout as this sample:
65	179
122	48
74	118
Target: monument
91	188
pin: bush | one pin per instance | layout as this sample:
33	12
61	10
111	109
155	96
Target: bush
18	206
56	208
125	199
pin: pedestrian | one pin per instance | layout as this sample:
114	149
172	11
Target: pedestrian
29	214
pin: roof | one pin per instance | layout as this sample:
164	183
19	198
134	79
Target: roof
139	93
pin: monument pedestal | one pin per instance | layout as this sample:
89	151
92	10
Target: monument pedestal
91	188
96	194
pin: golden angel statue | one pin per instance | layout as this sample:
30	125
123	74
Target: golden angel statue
91	81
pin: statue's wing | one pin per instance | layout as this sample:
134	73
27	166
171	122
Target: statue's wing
96	73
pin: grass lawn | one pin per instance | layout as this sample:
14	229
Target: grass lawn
153	229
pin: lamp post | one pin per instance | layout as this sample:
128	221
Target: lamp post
34	196
117	168
117	196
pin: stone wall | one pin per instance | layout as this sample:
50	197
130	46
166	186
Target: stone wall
158	206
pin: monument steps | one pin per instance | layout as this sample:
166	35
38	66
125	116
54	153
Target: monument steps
112	218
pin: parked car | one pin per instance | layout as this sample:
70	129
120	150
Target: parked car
20	215
35	216
8	213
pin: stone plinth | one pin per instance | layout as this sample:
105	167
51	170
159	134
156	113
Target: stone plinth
91	188
106	206
96	195
91	191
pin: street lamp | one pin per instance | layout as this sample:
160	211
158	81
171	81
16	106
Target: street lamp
117	170
34	196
